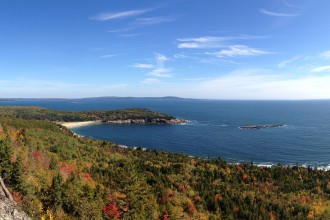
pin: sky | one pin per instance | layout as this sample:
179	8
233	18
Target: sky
212	49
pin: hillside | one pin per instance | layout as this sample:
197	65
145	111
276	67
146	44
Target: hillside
53	174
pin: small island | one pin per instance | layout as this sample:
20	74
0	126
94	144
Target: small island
261	126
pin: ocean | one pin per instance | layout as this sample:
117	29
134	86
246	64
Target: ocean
213	128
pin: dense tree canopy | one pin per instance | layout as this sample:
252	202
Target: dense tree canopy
54	174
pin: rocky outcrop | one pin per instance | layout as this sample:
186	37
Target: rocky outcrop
8	208
149	121
260	126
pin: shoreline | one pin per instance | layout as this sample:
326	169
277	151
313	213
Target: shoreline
78	123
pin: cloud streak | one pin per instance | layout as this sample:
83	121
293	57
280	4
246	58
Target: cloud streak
321	69
211	41
118	15
153	20
277	14
239	50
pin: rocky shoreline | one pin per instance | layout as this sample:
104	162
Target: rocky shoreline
148	121
261	126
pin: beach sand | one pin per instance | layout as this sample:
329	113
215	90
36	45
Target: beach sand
79	124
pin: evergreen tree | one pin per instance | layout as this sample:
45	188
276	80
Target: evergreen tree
5	160
55	192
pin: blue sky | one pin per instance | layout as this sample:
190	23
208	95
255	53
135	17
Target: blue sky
217	49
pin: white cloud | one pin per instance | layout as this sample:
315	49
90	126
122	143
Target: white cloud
153	20
144	66
108	56
277	14
321	69
210	41
326	54
239	50
201	42
160	72
259	84
118	15
285	63
150	81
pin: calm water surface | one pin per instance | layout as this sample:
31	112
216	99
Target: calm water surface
214	131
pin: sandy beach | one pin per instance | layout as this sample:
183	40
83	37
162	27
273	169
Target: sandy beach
78	124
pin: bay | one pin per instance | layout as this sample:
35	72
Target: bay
213	128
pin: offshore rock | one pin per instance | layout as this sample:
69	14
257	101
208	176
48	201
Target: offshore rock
149	121
260	126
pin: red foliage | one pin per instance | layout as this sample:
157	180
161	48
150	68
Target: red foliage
111	210
191	208
37	154
198	199
182	188
66	169
166	216
245	177
254	179
236	209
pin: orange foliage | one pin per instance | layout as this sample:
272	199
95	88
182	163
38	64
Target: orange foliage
17	197
239	168
65	169
190	208
182	188
217	197
198	199
272	215
245	177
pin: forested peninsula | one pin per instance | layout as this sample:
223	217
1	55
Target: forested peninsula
53	174
125	116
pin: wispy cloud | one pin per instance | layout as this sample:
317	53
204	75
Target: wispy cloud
277	14
108	56
153	20
144	66
160	70
285	63
239	50
157	69
150	81
326	54
321	69
118	15
211	41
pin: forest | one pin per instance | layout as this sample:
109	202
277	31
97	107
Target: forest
39	113
53	174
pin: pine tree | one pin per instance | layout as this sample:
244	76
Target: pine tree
55	192
5	160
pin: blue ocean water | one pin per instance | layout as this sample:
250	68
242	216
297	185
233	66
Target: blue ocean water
213	130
